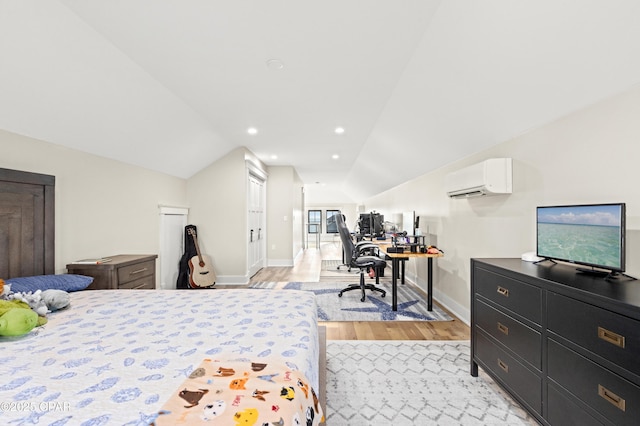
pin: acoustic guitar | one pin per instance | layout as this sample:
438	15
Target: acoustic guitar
201	273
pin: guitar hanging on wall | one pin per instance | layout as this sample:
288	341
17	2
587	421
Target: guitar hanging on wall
201	273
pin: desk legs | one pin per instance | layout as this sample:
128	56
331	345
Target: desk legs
394	283
395	275
395	266
430	284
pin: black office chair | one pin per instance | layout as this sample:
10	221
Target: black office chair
359	257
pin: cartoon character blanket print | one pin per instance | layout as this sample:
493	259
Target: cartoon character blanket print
243	394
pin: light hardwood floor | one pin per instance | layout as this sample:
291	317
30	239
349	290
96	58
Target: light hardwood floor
308	269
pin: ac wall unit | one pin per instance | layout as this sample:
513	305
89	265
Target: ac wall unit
490	177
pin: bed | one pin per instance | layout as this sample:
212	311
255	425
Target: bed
134	357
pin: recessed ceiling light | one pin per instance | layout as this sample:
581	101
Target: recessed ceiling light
252	130
335	156
275	64
274	157
339	130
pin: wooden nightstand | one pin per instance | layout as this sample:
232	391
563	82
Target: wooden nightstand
124	271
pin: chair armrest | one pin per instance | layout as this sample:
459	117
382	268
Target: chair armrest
366	245
368	248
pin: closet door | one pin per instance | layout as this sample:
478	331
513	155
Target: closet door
256	222
172	223
26	223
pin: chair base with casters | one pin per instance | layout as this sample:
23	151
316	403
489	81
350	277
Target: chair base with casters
362	286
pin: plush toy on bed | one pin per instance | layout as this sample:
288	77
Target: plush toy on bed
41	301
56	299
32	299
5	289
21	312
17	318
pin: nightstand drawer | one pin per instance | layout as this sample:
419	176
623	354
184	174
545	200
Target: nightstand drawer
128	271
135	272
521	339
614	397
516	296
610	335
515	376
144	283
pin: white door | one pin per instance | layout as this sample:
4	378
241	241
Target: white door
256	222
172	223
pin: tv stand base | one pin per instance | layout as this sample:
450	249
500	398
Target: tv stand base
605	274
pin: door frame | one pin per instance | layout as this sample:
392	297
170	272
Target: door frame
164	264
261	175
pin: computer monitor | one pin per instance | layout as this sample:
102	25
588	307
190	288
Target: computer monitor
371	224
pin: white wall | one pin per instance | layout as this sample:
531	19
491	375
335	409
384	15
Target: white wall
285	208
103	207
590	156
217	198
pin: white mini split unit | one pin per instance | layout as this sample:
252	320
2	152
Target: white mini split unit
490	177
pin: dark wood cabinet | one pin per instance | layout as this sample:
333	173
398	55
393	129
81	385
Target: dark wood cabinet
123	271
565	345
27	213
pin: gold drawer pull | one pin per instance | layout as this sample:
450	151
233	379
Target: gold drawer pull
503	328
611	337
611	397
502	365
138	271
503	291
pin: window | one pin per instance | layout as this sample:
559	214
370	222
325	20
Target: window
314	217
332	226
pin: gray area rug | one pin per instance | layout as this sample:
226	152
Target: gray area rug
329	271
332	265
412	383
412	305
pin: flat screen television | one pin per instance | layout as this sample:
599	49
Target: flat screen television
590	234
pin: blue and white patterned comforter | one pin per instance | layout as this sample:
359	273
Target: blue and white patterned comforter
115	356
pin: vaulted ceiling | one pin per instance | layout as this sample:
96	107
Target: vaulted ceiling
415	84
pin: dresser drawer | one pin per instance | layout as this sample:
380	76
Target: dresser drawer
562	410
135	272
516	296
519	338
614	397
144	283
610	335
515	376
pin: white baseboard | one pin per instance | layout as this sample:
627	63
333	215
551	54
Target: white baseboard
454	307
445	301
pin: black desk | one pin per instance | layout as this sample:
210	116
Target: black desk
396	258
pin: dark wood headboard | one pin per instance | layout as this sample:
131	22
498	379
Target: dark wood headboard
27	227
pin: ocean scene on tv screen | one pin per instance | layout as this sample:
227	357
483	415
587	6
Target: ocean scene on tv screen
585	234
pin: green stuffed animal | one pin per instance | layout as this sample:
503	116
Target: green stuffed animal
16	318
